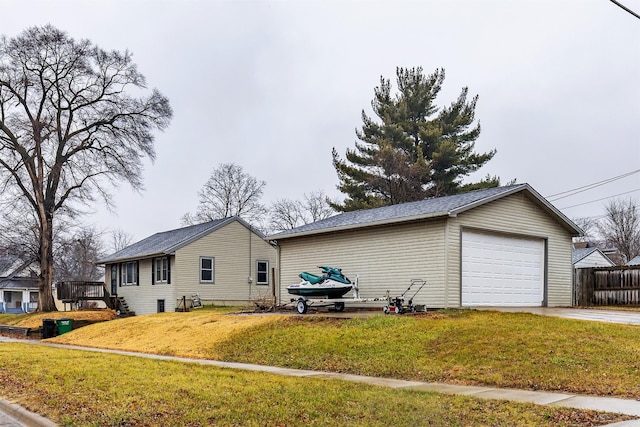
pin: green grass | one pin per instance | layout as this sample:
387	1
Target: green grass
516	350
78	388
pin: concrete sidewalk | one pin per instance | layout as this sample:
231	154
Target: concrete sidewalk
608	404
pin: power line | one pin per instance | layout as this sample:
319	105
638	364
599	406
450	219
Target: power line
599	200
625	8
564	194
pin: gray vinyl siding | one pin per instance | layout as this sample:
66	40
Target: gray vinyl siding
235	250
519	215
385	258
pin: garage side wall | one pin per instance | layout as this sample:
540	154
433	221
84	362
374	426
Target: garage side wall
517	214
385	258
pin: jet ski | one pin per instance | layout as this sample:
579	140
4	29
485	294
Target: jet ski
331	284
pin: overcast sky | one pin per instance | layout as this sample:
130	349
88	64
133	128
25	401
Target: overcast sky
274	85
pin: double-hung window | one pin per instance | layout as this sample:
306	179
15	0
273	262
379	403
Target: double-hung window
161	270
129	273
262	272
207	269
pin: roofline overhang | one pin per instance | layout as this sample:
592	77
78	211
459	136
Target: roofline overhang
566	222
363	225
569	225
135	258
172	249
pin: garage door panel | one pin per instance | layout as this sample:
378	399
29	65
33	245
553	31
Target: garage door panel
499	270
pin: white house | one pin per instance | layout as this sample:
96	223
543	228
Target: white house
225	261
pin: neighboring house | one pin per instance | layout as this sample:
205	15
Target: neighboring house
504	246
614	255
590	257
18	285
634	261
224	261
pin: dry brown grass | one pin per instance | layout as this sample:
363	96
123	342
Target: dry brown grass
191	334
35	320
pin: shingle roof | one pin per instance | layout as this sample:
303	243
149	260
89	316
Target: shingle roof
581	253
634	261
19	283
422	209
167	242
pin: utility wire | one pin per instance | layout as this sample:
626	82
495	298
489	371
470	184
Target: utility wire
569	193
599	200
625	8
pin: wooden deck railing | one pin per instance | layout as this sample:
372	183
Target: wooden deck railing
81	291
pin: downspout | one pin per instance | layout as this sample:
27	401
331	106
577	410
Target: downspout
446	263
249	276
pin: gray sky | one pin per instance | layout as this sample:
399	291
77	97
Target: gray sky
274	85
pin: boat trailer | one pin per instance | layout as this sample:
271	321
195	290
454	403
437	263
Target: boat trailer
394	305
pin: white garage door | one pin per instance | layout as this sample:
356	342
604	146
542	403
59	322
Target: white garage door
500	270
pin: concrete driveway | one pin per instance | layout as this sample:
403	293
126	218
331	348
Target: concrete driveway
607	316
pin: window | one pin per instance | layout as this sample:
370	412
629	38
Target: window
160	306
161	270
129	273
262	272
207	269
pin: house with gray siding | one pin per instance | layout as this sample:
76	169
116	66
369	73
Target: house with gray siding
224	261
590	257
504	246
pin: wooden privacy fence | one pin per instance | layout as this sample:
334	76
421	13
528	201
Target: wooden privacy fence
606	286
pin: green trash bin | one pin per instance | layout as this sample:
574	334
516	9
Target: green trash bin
64	325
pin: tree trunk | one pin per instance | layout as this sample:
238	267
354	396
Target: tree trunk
45	284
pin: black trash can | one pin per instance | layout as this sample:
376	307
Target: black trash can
48	328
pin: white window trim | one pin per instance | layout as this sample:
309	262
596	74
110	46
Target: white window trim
258	282
213	269
159	264
125	276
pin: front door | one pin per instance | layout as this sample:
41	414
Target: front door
114	279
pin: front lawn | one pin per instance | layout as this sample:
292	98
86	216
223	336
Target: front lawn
518	350
79	388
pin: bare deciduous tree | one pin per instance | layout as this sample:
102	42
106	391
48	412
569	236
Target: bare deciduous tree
77	254
120	239
229	192
286	214
69	124
589	226
620	227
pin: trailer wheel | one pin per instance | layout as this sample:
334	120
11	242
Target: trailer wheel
385	309
301	306
339	306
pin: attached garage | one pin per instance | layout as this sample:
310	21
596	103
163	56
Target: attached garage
504	246
502	270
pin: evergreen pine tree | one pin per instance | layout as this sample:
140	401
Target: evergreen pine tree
415	149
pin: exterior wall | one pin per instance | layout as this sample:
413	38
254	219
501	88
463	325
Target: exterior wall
516	214
388	257
235	250
143	298
20	301
385	258
594	259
